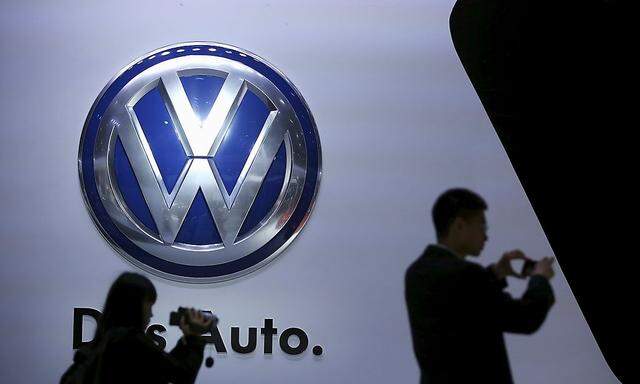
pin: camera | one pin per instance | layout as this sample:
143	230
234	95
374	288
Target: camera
175	317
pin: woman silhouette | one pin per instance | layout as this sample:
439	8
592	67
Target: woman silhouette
122	353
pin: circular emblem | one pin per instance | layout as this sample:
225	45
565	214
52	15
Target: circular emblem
199	162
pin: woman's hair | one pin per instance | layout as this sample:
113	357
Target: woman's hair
124	304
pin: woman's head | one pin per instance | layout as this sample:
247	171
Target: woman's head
128	304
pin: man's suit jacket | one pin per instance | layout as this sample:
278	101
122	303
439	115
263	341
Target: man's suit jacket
458	312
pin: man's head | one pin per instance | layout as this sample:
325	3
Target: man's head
458	216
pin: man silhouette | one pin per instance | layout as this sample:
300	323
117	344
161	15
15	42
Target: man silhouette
458	310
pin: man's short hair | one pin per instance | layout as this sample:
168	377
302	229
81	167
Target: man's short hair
457	202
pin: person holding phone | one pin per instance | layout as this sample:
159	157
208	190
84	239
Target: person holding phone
458	310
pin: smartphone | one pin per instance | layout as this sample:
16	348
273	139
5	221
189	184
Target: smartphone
527	267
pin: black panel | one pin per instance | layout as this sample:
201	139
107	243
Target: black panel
553	82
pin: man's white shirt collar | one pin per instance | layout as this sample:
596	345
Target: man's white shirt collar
441	246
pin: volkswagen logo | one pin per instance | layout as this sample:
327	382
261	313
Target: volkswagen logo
199	162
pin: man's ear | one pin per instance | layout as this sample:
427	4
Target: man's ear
457	224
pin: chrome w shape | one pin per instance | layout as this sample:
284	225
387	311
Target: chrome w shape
200	141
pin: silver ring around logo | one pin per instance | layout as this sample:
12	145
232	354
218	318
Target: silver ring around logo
200	162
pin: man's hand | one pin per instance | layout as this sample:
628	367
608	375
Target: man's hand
544	268
197	321
503	267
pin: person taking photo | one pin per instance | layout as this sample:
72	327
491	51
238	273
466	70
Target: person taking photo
121	352
458	310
